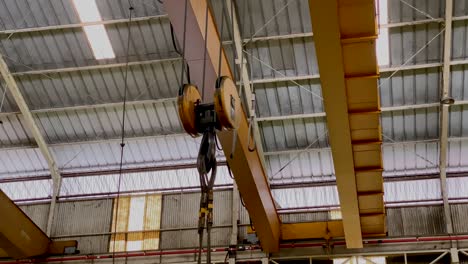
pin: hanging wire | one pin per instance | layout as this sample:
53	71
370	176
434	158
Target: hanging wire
418	10
410	59
122	142
282	74
183	49
268	22
180	53
414	152
299	153
218	80
205	51
3	100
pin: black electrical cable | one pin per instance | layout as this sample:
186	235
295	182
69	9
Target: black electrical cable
218	80
173	39
205	51
180	53
122	142
183	52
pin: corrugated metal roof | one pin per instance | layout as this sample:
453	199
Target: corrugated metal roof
156	180
400	12
84	138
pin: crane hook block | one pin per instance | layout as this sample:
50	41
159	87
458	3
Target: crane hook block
227	103
189	98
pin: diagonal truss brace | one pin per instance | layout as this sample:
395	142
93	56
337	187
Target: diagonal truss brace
41	143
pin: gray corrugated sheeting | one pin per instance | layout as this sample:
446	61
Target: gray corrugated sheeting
459	214
460	35
314	165
58	12
415	221
84	217
141	181
460	8
458	121
399	12
410	87
412	190
289	57
410	158
27	189
294	134
70	48
151	151
38	213
118	9
147	81
304	217
457	187
457	153
303	197
148	119
14	132
181	211
410	125
459	77
295	18
21	161
395	192
143	120
289	98
406	41
86	156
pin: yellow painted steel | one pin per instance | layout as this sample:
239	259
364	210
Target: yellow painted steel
318	230
246	165
21	238
344	35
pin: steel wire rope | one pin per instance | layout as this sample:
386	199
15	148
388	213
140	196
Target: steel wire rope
122	142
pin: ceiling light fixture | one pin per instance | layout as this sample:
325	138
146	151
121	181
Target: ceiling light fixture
383	49
447	101
97	35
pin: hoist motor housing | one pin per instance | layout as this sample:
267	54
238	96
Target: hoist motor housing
223	113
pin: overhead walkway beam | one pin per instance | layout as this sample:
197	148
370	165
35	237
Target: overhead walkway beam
345	33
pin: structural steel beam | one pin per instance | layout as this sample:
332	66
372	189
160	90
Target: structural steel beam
250	175
344	36
164	16
30	123
444	113
21	238
241	62
92	106
383	109
79	25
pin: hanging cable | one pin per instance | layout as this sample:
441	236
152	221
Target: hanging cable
183	52
206	163
250	134
205	51
122	142
180	53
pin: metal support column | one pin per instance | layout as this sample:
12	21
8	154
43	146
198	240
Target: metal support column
241	62
41	143
444	112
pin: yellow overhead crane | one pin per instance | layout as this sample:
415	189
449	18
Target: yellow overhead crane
344	35
20	238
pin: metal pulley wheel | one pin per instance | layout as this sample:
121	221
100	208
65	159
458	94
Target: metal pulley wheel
227	103
188	98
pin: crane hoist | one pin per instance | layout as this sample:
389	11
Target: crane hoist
204	119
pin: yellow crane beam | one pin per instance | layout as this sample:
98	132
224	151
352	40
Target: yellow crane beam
344	35
20	238
246	165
